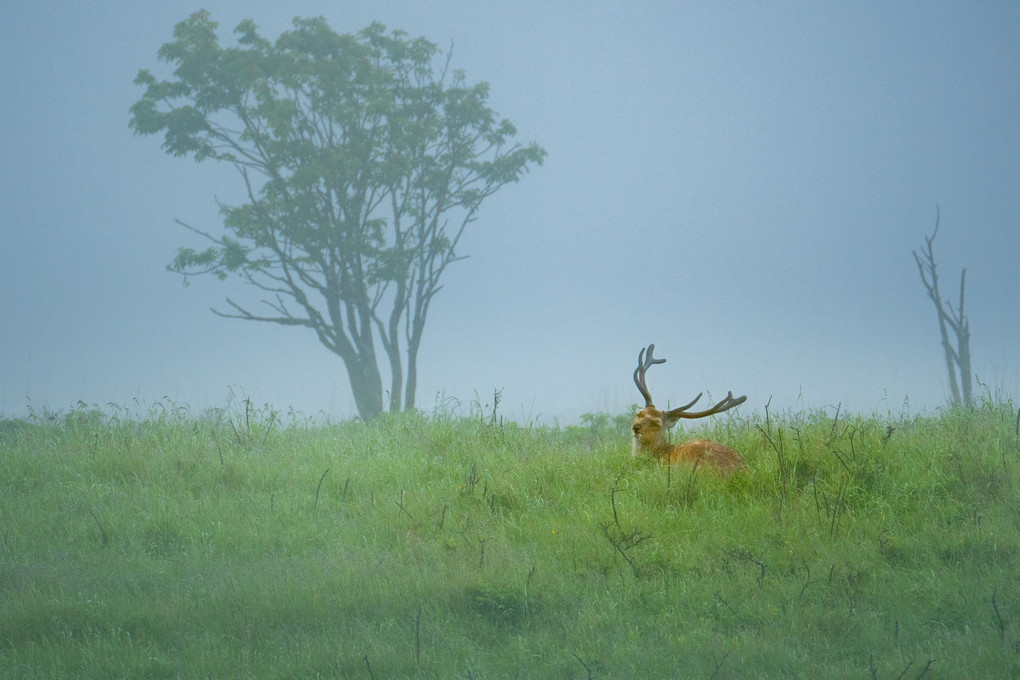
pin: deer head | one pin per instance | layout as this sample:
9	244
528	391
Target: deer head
650	425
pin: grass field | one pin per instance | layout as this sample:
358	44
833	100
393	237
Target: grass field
252	544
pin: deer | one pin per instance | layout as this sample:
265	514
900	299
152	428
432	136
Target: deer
650	425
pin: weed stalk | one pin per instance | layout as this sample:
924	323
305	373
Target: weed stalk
319	488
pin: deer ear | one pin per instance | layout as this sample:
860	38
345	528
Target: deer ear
669	418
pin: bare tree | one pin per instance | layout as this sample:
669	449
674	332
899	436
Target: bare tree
958	357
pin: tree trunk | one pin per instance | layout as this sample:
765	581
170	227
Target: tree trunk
397	378
417	325
366	384
963	346
951	356
412	379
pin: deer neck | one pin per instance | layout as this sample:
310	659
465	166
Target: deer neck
652	445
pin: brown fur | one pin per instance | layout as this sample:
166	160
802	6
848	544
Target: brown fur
650	425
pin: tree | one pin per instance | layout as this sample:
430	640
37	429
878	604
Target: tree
363	163
958	357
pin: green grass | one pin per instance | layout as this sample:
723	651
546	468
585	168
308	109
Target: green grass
253	544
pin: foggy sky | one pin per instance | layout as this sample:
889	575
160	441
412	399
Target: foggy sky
740	183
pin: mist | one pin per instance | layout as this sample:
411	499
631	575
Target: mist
739	184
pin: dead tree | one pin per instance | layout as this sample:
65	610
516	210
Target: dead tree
958	357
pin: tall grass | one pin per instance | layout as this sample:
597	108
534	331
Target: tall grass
248	543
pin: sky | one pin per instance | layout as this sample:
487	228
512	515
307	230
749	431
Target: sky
740	183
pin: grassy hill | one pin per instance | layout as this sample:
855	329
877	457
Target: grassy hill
252	544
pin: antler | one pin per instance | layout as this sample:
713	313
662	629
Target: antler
724	405
639	373
647	361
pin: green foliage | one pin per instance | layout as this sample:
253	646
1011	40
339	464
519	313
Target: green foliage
363	163
249	543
